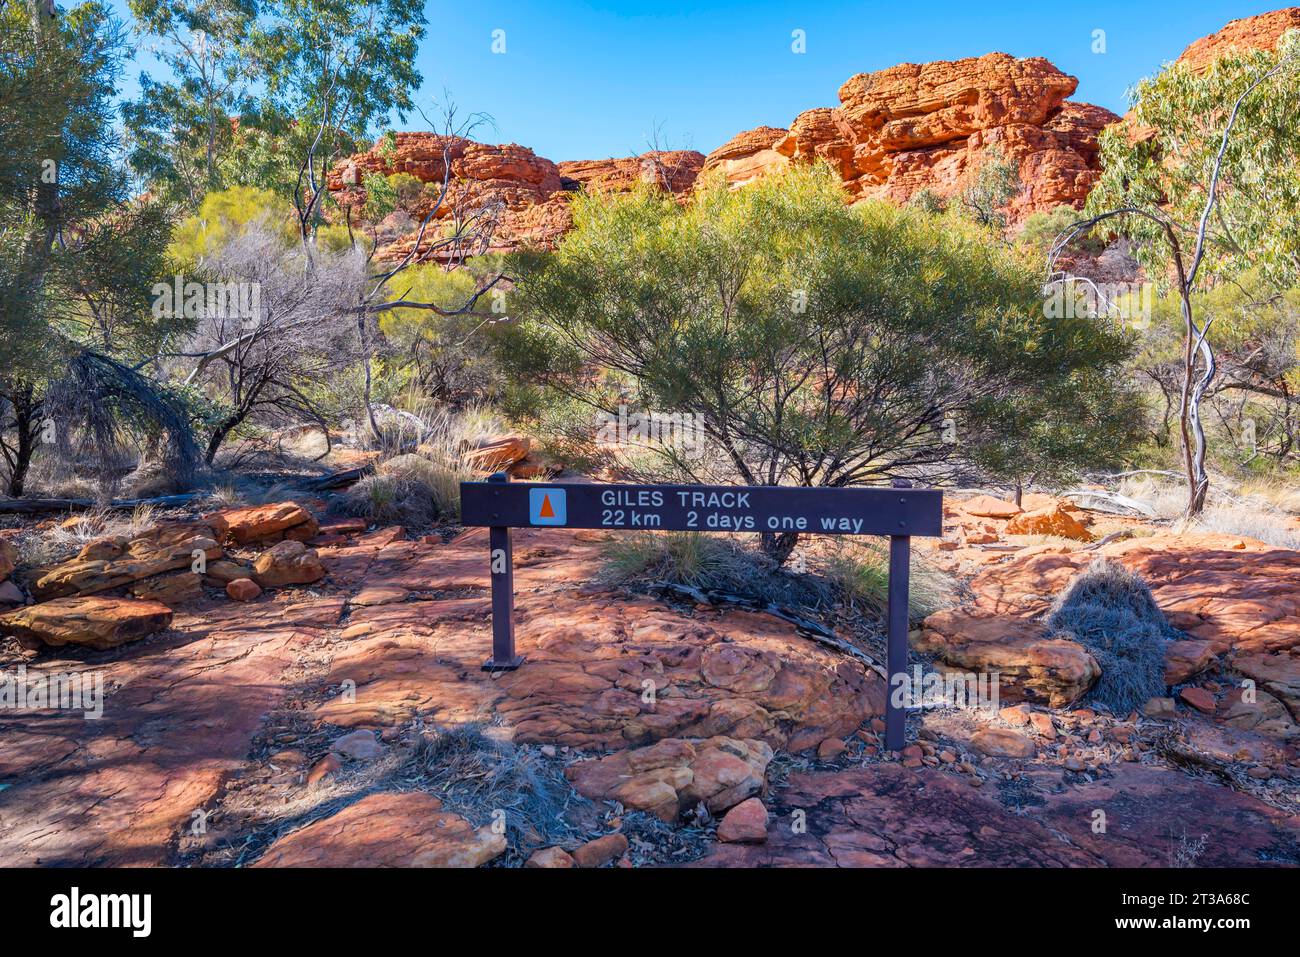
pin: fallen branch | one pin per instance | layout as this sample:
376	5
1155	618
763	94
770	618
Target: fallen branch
35	506
1112	537
1113	499
334	480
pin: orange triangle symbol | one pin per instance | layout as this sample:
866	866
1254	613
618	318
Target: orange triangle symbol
546	510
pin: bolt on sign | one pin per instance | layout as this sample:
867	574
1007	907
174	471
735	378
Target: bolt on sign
899	513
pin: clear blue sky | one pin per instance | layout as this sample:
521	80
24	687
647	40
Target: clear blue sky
592	80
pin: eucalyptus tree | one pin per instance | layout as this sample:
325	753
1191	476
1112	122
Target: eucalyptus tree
78	255
183	125
1202	179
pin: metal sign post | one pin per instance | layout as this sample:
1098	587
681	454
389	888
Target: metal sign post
502	570
898	513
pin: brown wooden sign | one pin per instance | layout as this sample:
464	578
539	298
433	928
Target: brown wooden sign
898	512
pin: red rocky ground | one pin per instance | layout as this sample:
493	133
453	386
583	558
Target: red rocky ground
280	731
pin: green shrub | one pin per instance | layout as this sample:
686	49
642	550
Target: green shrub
381	197
408	190
448	359
408	490
225	214
989	188
820	344
859	572
928	201
694	559
1041	230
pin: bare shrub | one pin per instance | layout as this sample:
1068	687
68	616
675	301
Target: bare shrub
1111	612
62	542
480	776
306	327
109	522
1186	852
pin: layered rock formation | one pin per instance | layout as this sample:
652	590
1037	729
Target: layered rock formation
929	126
1249	33
531	191
895	133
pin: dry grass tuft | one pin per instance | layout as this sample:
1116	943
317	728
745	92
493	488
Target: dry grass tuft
860	573
1111	612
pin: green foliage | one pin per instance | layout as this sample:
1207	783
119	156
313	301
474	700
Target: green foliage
1183	114
823	344
224	215
1254	397
993	184
335	237
407	190
251	86
180	126
859	573
78	256
57	176
1040	231
1091	419
381	197
316	55
263	159
384	194
927	201
683	558
450	358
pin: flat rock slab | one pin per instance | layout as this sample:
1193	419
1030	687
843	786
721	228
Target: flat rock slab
89	621
179	714
603	672
1162	817
885	815
387	830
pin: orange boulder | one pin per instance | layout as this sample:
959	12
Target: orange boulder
1048	521
87	620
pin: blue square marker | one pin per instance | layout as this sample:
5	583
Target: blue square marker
547	506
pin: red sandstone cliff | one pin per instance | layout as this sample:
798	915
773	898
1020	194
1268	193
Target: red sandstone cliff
918	127
1250	33
896	132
